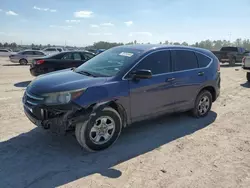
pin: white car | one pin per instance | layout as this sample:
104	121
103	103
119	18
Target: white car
5	52
246	66
52	50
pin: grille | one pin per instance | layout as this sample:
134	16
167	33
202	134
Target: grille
32	100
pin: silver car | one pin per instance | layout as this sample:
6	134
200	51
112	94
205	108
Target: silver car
26	56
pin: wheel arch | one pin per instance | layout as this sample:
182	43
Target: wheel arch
211	89
115	105
23	59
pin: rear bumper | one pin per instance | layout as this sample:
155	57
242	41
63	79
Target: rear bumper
34	72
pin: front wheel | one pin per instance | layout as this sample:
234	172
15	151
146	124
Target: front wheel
203	104
101	132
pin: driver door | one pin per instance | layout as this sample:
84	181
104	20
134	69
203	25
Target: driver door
154	96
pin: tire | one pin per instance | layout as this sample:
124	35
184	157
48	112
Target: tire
23	62
232	61
207	104
87	134
248	76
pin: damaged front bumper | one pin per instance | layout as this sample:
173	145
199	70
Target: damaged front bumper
57	118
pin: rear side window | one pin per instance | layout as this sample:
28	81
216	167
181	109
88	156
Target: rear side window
158	63
203	60
28	53
50	49
67	56
59	49
77	56
87	56
38	53
232	49
184	60
3	51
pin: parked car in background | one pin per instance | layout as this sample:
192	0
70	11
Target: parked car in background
246	66
121	86
26	56
5	52
59	61
230	54
52	50
100	51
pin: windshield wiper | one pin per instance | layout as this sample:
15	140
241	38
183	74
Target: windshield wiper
86	73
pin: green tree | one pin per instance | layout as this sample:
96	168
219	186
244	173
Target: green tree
166	42
6	44
184	44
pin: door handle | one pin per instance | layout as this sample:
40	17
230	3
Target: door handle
170	79
201	73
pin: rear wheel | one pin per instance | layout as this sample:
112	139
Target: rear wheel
248	76
100	133
203	104
23	62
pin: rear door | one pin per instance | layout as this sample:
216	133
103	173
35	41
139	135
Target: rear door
78	59
152	96
188	78
29	55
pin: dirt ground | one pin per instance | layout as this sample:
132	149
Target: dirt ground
176	151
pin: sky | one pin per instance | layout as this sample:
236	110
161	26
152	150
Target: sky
83	22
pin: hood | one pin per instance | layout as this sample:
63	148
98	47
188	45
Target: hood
64	80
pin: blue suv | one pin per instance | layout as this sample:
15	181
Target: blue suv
120	86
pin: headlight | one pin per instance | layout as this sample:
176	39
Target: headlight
62	97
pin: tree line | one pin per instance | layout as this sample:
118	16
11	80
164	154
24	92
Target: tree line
207	44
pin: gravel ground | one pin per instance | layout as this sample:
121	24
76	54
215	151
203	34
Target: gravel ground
175	151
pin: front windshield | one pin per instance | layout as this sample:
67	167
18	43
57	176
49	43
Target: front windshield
110	62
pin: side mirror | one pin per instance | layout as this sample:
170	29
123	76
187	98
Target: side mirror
141	74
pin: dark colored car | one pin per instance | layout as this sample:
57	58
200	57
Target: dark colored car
231	54
121	86
59	61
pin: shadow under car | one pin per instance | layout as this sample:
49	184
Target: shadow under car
40	159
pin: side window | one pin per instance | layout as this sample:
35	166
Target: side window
184	60
77	56
3	51
50	49
67	56
203	60
28	53
158	62
38	53
59	49
87	56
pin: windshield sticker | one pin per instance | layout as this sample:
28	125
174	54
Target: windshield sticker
126	54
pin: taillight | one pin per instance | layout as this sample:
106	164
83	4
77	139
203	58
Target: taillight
243	61
39	62
218	68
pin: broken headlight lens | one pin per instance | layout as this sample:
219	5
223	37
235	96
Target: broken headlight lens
62	97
